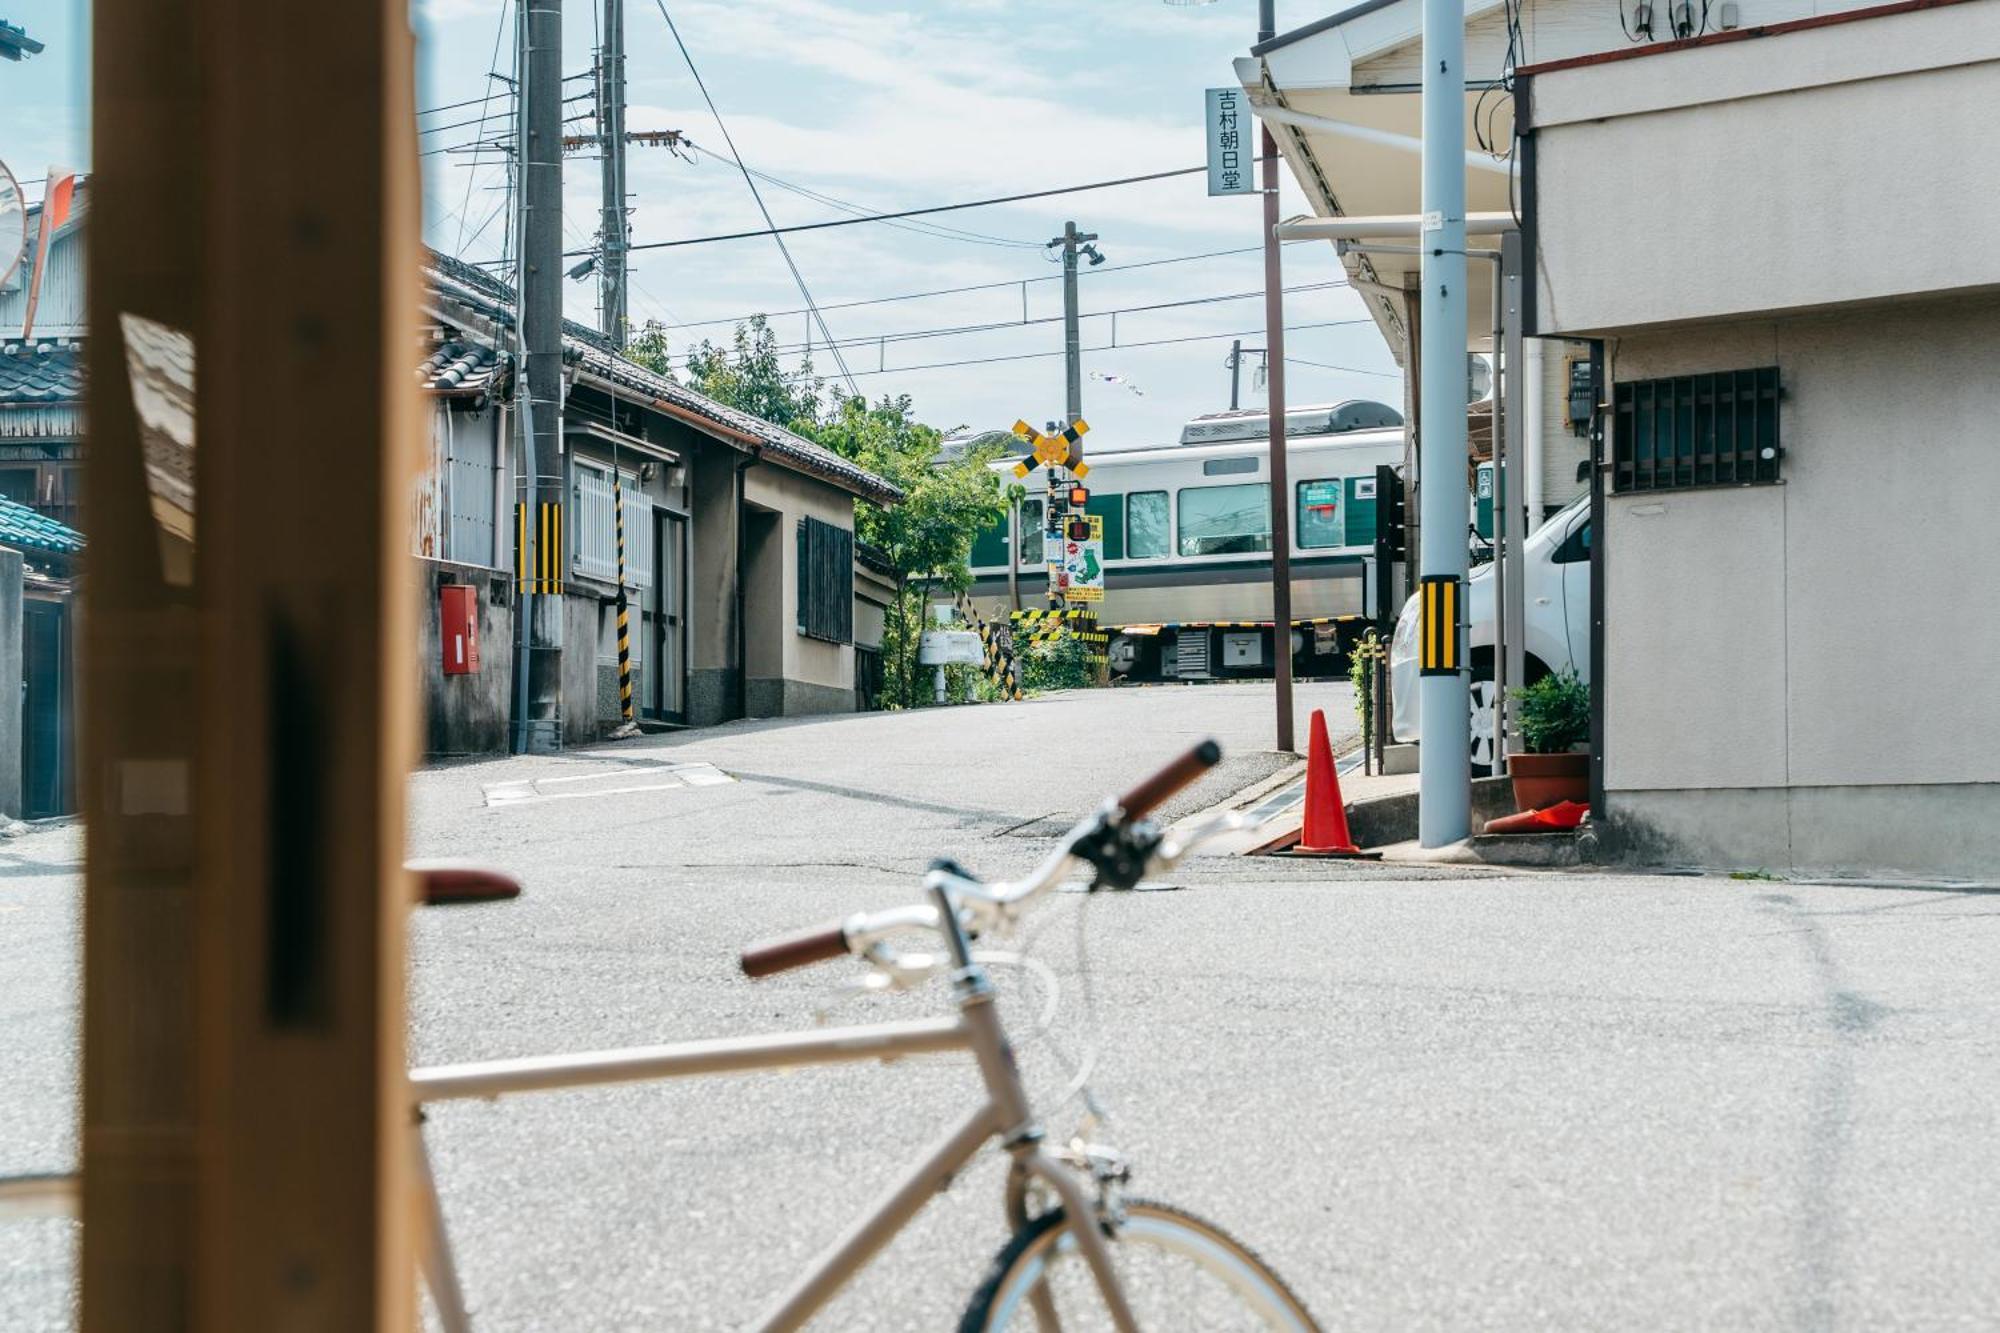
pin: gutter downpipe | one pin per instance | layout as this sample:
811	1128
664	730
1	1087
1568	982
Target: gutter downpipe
1532	389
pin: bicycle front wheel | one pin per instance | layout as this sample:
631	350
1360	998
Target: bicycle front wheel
1177	1271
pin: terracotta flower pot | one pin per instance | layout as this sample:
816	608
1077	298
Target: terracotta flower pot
1543	780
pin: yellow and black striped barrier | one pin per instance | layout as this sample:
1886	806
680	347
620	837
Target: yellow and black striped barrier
1049	626
546	577
997	663
1438	651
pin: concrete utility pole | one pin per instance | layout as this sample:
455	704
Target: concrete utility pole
1055	507
539	730
611	138
1444	811
1274	381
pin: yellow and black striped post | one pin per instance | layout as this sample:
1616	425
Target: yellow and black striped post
998	662
538	571
1438	650
624	630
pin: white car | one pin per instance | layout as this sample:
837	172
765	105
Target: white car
1556	557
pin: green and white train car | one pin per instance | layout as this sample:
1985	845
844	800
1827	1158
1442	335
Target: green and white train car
1187	542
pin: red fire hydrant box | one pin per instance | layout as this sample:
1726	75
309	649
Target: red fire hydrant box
458	628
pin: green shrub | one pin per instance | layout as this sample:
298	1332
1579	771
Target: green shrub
1056	665
1554	713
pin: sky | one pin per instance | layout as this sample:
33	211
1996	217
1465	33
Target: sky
883	106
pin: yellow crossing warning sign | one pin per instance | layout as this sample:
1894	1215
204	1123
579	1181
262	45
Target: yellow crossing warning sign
1062	449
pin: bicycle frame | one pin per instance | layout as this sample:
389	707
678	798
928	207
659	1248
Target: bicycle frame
1005	1115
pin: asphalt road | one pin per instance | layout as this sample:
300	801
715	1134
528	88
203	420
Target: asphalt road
1434	1099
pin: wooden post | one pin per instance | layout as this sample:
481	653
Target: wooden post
246	1132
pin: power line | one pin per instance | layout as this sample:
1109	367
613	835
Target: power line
1105	271
1352	370
920	228
912	212
961	329
757	195
1114	347
492	69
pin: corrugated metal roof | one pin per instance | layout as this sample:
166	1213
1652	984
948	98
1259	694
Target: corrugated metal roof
61	310
587	348
26	530
45	370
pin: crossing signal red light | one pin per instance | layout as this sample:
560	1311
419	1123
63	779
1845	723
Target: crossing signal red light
1079	496
1079	529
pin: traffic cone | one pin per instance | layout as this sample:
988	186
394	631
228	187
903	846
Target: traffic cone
1325	832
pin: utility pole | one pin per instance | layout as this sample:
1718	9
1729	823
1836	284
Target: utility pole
612	299
1274	380
539	529
1444	758
1055	508
1235	372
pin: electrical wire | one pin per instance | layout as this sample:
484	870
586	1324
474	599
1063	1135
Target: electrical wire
920	228
1352	370
914	212
493	68
756	194
959	330
1110	347
1103	271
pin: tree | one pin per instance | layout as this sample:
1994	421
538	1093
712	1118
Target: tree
927	538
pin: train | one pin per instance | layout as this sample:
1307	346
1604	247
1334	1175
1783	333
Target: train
1187	543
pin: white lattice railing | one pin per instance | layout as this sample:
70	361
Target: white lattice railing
597	536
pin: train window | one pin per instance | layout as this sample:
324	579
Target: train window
1146	525
1029	548
1223	467
1225	520
1319	519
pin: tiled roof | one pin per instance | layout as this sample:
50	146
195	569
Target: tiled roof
460	366
24	529
598	359
41	371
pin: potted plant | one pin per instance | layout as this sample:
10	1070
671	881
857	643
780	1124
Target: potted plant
1555	724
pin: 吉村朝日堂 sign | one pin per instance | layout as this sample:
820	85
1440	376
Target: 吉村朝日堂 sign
1231	132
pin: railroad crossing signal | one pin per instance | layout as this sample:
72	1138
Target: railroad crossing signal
1064	448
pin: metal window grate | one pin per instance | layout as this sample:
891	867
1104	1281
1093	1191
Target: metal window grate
826	581
1719	429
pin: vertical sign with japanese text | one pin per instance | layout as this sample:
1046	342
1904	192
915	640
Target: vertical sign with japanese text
1230	134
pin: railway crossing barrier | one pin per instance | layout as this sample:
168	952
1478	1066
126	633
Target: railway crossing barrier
999	665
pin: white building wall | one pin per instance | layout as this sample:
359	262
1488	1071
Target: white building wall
1837	632
1833	165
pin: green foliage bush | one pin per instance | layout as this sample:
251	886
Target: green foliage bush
1554	713
927	538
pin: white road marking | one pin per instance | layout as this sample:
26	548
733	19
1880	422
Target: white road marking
624	781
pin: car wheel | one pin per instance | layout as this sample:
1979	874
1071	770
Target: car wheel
1482	698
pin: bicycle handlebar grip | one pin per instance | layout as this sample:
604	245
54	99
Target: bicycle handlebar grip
1148	795
799	949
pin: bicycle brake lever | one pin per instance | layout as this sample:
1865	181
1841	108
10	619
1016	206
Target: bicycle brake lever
1171	851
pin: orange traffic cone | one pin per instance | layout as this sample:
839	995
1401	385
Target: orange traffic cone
1325	832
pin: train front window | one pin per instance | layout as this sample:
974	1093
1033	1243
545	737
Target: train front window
1226	520
1146	525
1319	517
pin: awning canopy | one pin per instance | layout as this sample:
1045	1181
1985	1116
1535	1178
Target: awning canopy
1346	93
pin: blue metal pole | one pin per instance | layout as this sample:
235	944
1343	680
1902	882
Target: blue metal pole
1444	811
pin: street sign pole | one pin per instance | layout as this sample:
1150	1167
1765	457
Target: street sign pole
1274	343
1444	793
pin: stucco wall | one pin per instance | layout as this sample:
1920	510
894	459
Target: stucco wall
805	661
1839	630
1837	164
465	714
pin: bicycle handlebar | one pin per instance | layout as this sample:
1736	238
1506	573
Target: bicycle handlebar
981	902
1143	799
820	944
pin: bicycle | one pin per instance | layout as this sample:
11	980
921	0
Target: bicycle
1095	1258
